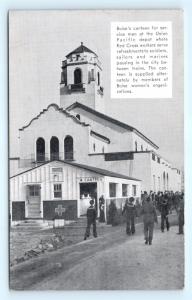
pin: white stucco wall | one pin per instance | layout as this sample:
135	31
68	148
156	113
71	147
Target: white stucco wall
54	123
120	138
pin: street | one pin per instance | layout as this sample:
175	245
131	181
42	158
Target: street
114	261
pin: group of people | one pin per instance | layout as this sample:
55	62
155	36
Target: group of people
150	204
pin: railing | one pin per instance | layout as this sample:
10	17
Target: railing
79	87
45	157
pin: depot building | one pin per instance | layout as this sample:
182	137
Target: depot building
64	189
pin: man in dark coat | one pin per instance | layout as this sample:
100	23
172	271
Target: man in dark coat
164	209
130	212
91	219
149	217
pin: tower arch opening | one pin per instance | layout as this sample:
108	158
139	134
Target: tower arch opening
77	76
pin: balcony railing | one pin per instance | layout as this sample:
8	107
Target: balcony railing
79	87
45	157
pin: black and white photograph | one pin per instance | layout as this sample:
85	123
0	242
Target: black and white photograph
96	150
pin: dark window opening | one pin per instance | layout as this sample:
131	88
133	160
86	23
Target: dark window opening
98	78
40	149
94	147
134	190
78	116
136	146
153	156
124	190
54	148
77	76
112	190
68	148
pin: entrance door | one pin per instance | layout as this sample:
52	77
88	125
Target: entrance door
33	201
88	191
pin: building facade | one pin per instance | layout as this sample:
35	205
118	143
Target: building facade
79	132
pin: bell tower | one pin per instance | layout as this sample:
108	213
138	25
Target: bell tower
81	79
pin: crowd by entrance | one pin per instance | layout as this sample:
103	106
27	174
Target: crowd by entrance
151	205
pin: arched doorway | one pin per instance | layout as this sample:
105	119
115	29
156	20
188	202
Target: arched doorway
77	76
54	148
68	148
40	149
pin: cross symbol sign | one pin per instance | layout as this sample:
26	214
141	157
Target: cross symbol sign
60	210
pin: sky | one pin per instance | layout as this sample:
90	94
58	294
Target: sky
40	40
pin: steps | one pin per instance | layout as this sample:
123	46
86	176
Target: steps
32	225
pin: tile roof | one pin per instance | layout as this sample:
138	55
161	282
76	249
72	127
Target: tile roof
85	167
110	119
81	49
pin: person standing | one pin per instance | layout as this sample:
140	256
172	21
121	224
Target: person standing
91	220
130	211
181	214
164	209
149	218
102	209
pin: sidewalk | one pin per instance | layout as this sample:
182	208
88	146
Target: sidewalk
129	263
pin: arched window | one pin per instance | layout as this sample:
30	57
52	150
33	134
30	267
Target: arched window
98	78
167	181
164	180
54	148
135	146
68	148
77	76
78	116
40	149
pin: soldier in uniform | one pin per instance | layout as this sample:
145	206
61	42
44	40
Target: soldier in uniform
91	220
164	209
149	217
130	211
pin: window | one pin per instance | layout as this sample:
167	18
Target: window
34	190
54	148
141	147
98	78
40	149
158	160
78	116
77	76
103	149
134	190
112	189
153	156
68	148
154	183
92	74
135	146
57	191
94	147
124	190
